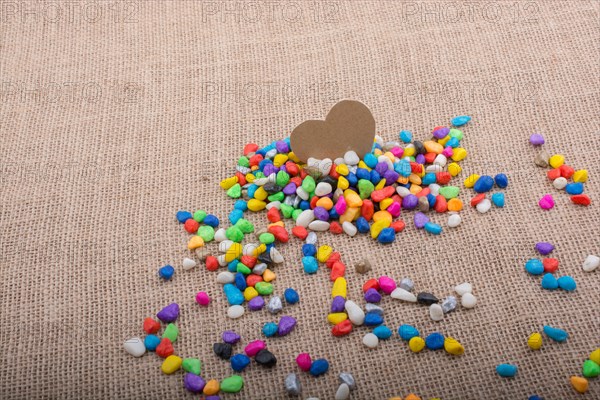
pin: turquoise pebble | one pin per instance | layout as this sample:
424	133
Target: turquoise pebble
183	216
549	282
269	329
310	264
574	188
435	341
371	160
460	120
382	332
556	334
233	294
534	266
240	205
235	215
166	272
406	136
506	370
407	332
567	283
498	199
151	342
433	228
387	235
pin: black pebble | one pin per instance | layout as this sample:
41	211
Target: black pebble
265	258
223	350
272	188
419	148
329	179
266	358
427	298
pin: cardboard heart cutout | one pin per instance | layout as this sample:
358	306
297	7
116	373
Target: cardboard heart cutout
349	125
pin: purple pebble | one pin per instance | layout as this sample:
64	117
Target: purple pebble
441	133
321	213
410	201
286	325
290	188
544	248
420	159
536	139
230	337
193	383
169	313
372	296
215	397
390	176
381	167
257	303
282	147
420	220
338	304
269	169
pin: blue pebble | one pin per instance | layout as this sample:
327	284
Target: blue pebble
433	228
406	136
387	235
431	199
183	216
460	120
567	283
309	249
382	332
251	189
233	294
556	334
269	329
166	272
151	342
501	180
370	160
310	264
435	341
319	367
428	179
240	281
498	199
352	179
291	296
535	397
534	266
232	266
375	177
453	142
362	225
211	220
506	370
239	362
574	188
403	168
363	173
483	184
333	214
373	319
241	205
235	215
407	332
304	205
549	282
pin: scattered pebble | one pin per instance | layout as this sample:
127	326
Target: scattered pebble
293	385
454	220
436	312
348	379
534	341
484	206
556	334
319	367
536	139
236	311
463	288
135	346
591	263
166	272
547	202
188	263
468	300
343	392
370	340
579	384
202	298
506	370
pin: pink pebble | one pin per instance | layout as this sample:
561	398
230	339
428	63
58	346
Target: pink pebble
202	298
387	284
547	202
394	209
340	206
254	347
304	361
448	151
397	151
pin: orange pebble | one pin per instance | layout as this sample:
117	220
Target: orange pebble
580	384
211	388
455	205
412	397
325	202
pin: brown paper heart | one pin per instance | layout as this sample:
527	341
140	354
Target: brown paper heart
349	125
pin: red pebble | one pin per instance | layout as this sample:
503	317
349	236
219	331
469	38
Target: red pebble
335	228
253	279
313	202
441	205
337	271
581	199
550	264
343	328
333	173
398	226
191	226
303	174
165	348
442	178
422	193
553	174
300	232
212	264
381	194
477	199
151	325
371	284
566	171
250	148
255	160
395	199
367	209
416	168
292	168
241	178
296	181
248	261
273	215
280	233
333	258
430	157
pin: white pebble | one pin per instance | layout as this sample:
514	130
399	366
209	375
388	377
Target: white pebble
225	277
440	160
434	168
463	288
434	189
259	268
319	226
403	191
135	346
355	314
276	256
337	194
343	391
323	189
484	206
188	263
339	160
236	311
325	166
560	183
311	238
349	228
405	295
220	235
351	158
454	220
591	263
303	194
305	218
249	248
222	261
436	312
370	340
468	300
225	245
274	204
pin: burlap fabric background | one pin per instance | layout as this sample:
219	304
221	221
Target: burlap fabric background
115	115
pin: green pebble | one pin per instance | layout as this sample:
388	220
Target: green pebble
234	233
235	191
365	188
279	196
199	215
287	210
191	365
232	384
282	178
171	332
308	184
207	233
266	238
295	214
264	288
449	192
243	161
456	133
590	369
259	175
244	225
243	269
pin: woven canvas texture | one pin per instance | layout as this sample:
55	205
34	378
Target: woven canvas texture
114	115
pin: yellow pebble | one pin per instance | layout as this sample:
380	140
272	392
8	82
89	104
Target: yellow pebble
452	346
292	156
556	160
380	185
342	169
455	204
256	205
390	156
385	203
261	193
414	178
279	160
382	215
352	198
269	275
254	168
325	202
454	169
350	215
534	341
416	344
250	178
378	226
580	176
250	293
259	250
444	140
339	288
171	364
458	154
377	152
409	151
343	183
433	147
470	181
323	253
227	183
211	388
278	223
580	384
414	189
595	356
195	242
361	164
412	396
235	251
336	318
